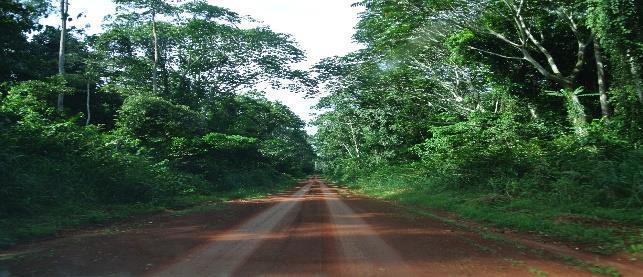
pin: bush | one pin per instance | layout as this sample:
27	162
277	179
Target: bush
155	121
47	162
505	155
230	143
485	152
55	171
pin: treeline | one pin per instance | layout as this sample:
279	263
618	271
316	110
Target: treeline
531	107
157	109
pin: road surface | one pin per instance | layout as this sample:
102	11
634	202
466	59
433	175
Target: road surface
313	230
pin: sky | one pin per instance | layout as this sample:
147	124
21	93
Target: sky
322	28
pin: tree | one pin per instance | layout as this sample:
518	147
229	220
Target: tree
455	96
92	69
406	34
202	55
64	9
526	37
221	58
617	25
375	113
166	115
600	76
150	10
280	133
17	19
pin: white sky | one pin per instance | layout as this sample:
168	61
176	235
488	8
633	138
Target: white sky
323	28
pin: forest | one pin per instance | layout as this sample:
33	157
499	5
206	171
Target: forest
523	114
160	110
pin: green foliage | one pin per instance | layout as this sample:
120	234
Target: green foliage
155	121
279	134
223	142
17	19
163	84
203	10
48	223
203	53
481	149
32	100
510	158
48	162
598	229
449	105
159	152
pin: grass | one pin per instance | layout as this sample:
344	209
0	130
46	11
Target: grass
526	215
46	225
598	269
603	270
594	229
538	272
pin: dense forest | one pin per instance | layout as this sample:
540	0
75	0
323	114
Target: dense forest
525	114
161	109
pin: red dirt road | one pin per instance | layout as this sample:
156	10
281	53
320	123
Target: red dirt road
309	231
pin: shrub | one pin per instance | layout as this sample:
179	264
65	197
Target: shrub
155	121
48	162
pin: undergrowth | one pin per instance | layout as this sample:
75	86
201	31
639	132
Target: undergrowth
51	223
597	229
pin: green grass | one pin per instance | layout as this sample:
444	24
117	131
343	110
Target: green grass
484	233
538	272
602	270
608	230
15	230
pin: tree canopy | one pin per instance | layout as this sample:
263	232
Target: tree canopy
488	91
161	107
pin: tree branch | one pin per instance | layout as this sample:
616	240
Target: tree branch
541	68
525	29
580	56
503	38
496	54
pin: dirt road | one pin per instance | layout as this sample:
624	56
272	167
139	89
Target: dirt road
312	230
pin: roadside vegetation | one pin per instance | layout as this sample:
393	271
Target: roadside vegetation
525	115
157	111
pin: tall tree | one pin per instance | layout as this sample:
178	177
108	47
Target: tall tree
151	9
64	14
600	77
617	25
518	24
203	54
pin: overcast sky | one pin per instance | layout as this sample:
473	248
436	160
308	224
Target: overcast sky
322	28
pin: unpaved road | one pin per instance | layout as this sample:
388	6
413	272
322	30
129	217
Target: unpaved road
312	230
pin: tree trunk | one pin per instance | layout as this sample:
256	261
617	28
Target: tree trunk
64	7
156	52
89	111
166	76
635	72
600	75
357	154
